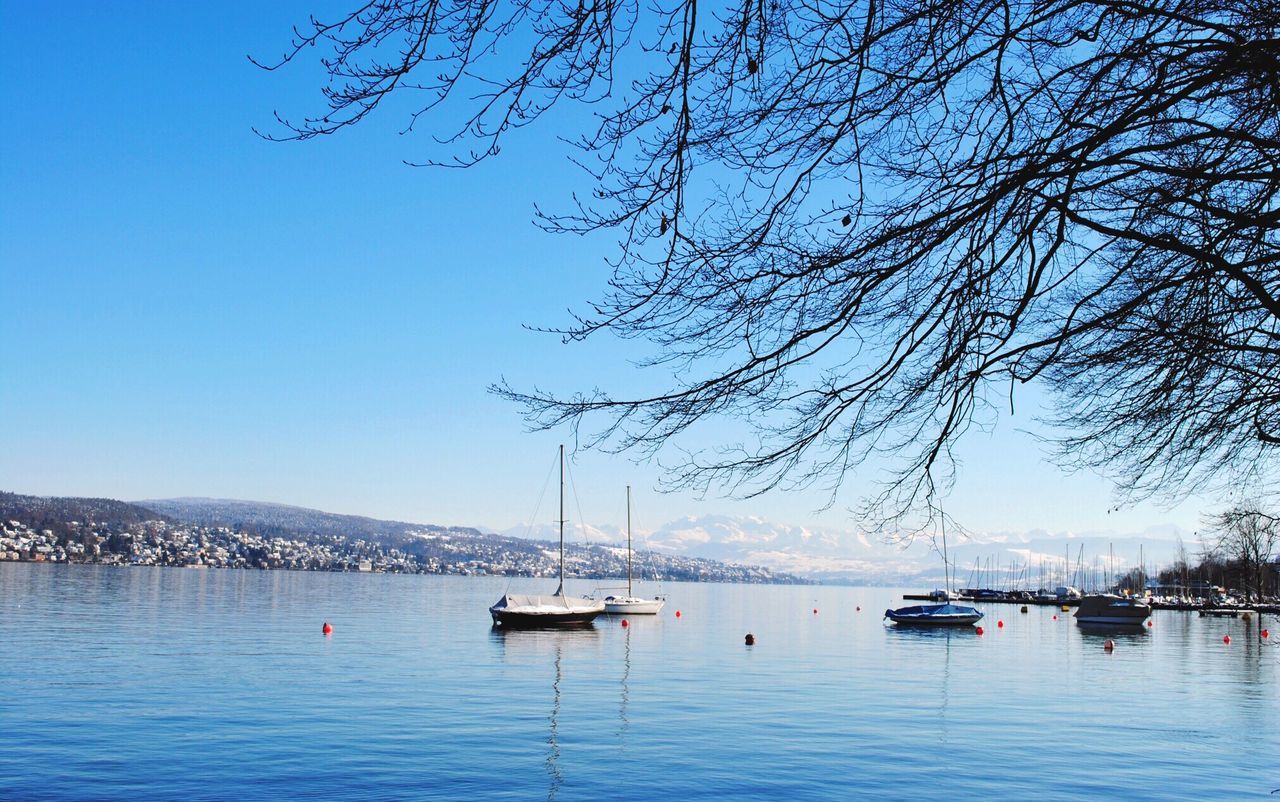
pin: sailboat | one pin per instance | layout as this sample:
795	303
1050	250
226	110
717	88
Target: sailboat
937	615
520	611
629	604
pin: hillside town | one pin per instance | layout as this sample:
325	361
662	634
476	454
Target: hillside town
166	543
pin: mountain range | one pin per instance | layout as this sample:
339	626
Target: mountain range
849	555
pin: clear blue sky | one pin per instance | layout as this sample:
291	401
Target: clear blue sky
190	310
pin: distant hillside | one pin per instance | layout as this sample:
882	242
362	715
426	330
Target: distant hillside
55	513
279	520
247	534
453	544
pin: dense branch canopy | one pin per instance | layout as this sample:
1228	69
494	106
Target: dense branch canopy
859	225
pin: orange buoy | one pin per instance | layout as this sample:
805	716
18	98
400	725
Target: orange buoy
1109	646
1226	639
750	639
980	630
326	629
625	623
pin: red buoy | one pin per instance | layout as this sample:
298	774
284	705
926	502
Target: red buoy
1149	624
326	629
1109	646
858	609
1226	639
625	623
677	613
1265	634
1055	617
980	630
750	639
1000	625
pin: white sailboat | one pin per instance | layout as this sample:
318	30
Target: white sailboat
630	604
522	611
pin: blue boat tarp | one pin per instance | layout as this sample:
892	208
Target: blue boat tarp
945	614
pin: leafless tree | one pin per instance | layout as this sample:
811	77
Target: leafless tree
1250	537
861	226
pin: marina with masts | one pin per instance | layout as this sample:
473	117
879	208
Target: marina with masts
1066	582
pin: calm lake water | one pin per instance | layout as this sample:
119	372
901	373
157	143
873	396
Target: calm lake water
167	684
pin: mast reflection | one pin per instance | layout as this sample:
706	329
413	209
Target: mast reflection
552	642
623	723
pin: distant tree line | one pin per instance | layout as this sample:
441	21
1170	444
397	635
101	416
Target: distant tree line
1240	555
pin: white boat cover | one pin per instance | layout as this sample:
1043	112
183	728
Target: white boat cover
535	605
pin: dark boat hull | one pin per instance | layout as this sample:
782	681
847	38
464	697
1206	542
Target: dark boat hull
517	620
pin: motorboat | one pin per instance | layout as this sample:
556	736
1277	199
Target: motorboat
1107	608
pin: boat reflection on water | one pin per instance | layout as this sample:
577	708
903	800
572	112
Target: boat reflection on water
546	641
932	647
552	763
623	724
541	643
1119	632
930	632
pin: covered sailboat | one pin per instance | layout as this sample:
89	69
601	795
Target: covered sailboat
937	615
525	611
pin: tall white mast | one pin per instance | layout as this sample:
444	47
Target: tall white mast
560	590
628	540
946	566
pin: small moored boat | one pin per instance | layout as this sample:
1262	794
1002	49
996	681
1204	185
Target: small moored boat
629	604
519	611
935	615
1107	608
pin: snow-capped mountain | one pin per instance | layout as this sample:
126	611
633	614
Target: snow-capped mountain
849	555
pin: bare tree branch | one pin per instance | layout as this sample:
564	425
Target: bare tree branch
859	225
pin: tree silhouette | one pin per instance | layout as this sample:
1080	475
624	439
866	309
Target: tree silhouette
1250	537
861	226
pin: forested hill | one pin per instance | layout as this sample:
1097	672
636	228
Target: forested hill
282	520
54	513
